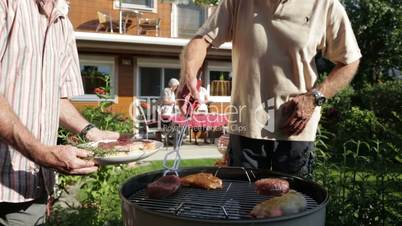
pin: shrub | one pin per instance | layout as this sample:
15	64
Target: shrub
360	195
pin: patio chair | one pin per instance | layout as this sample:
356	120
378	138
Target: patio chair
104	22
129	16
149	128
146	24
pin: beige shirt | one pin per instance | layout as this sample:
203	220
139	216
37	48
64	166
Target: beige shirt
38	65
274	45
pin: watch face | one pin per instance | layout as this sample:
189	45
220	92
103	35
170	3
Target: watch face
320	101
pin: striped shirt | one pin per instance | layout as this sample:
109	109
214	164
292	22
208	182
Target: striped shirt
38	66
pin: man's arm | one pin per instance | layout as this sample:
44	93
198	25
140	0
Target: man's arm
302	107
72	120
192	59
339	78
61	158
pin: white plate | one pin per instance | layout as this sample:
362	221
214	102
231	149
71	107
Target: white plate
131	156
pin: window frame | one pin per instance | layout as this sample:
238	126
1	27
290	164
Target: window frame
94	60
217	66
153	9
155	63
175	20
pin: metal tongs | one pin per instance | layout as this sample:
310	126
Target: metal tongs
191	104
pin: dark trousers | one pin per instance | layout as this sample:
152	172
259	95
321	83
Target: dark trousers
24	214
291	157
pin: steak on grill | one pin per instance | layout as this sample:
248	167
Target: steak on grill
272	186
163	187
202	180
290	203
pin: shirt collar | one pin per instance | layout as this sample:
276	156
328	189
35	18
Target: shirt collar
59	8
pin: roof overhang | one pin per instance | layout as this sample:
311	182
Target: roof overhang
140	45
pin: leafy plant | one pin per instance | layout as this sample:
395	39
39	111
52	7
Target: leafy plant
360	195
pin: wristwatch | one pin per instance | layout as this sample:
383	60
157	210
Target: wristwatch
87	128
320	99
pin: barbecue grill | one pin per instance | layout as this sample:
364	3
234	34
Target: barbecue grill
228	206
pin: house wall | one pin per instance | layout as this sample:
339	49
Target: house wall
83	15
125	87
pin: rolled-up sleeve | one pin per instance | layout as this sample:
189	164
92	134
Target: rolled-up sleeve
340	42
71	81
219	26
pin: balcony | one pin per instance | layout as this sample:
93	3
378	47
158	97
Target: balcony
137	17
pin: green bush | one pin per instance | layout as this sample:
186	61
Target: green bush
359	155
363	188
369	114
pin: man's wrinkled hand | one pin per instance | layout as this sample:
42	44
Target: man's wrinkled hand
96	134
299	111
187	88
66	159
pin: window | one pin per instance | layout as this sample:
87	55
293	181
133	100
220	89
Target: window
147	5
154	79
154	75
188	19
219	80
150	80
94	71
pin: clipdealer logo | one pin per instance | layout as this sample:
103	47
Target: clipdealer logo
268	107
270	127
142	111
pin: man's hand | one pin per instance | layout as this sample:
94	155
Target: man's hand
192	58
299	109
65	159
96	134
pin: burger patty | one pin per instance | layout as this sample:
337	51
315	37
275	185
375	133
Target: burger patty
272	186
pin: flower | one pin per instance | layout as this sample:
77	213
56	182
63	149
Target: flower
100	91
145	105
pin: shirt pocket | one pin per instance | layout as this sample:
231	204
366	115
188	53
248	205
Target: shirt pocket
296	22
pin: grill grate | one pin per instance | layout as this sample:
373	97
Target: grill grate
234	202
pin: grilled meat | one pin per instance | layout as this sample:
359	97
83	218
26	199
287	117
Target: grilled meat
127	145
202	180
290	203
163	187
271	186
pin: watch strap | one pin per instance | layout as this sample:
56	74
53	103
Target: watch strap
319	98
85	130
